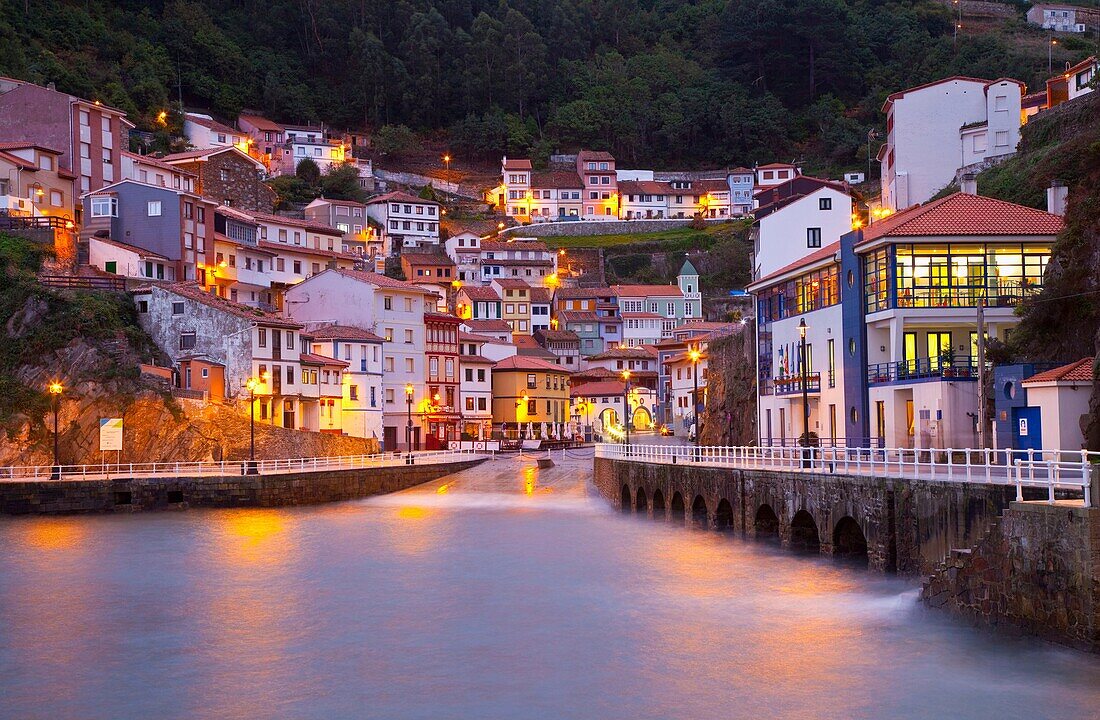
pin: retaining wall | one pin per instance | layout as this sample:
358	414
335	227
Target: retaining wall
134	494
600	227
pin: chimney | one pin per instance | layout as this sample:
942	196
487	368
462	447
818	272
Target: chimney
968	184
1057	194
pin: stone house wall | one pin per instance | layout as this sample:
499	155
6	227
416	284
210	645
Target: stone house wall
242	186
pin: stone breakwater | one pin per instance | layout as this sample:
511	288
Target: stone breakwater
136	494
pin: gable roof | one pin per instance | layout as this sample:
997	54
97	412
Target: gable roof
517	164
964	214
494	245
1076	371
953	78
156	162
342	332
295	222
210	123
139	251
315	359
512	283
647	290
192	291
539	295
378	280
527	362
586	155
480	326
556	179
626	353
260	122
598	388
201	155
422	259
400	195
479	293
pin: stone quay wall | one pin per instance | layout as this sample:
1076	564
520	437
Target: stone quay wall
1037	572
135	494
909	526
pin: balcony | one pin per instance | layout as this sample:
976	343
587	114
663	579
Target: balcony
792	385
921	369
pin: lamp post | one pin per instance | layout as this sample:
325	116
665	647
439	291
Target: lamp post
626	405
55	399
802	377
694	355
1051	42
409	425
252	384
447	162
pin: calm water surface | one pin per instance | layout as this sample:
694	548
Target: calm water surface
526	602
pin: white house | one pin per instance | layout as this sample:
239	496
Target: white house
687	379
528	259
206	133
805	215
475	386
362	390
1062	396
409	221
935	129
1060	18
131	261
1072	83
391	309
606	403
775	174
153	171
308	141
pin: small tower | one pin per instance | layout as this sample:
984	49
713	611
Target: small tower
688	280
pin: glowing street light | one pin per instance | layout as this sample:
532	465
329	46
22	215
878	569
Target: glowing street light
447	162
409	427
626	405
55	389
251	384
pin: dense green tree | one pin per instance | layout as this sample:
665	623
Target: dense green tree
342	183
308	172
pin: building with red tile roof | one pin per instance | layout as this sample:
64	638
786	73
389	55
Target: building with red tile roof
1062	397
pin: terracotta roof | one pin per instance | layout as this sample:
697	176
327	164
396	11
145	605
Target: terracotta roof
17	145
479	292
342	332
557	335
415	259
516	245
526	362
21	163
314	359
954	78
539	295
642	316
557	179
156	162
963	214
824	253
517	164
566	316
192	291
593	372
210	124
382	281
646	187
625	353
201	154
489	326
647	291
598	388
1077	371
775	166
442	317
261	123
739	170
474	337
303	250
586	155
576	293
475	359
401	196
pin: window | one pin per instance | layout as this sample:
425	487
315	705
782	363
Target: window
1002	138
104	207
825	204
408	337
56	198
813	237
387	302
289	340
177	308
532	381
532	407
409	366
389	364
187	341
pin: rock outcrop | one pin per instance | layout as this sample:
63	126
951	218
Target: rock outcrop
730	415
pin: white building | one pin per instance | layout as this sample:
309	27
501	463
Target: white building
935	129
118	258
409	221
391	309
1060	18
1072	83
1062	396
464	249
153	171
606	403
476	386
806	215
308	141
688	379
528	259
206	133
362	391
775	174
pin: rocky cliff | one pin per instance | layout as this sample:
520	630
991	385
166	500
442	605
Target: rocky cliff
730	415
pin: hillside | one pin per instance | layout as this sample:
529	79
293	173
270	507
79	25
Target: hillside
680	84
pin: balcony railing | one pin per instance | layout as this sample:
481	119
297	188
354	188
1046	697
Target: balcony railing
957	368
1005	294
793	384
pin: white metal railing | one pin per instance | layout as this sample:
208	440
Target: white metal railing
233	467
1050	469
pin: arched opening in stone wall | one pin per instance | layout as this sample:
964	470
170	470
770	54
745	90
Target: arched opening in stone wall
658	505
804	535
626	504
766	523
699	517
640	502
849	543
723	516
677	508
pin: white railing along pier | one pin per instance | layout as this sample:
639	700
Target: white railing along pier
1049	469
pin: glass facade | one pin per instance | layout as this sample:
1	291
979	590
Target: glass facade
952	275
805	293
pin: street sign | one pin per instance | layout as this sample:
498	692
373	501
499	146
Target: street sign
110	434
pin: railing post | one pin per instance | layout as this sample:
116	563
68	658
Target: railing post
1086	477
1050	482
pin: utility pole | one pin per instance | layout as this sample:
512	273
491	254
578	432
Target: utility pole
983	430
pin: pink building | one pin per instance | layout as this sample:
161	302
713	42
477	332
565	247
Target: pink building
601	191
89	135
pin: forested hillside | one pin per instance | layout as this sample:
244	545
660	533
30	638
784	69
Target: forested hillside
655	81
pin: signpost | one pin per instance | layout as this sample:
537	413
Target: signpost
110	436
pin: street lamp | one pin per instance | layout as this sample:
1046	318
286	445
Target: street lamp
626	405
55	398
447	162
802	377
1050	51
694	355
252	384
409	426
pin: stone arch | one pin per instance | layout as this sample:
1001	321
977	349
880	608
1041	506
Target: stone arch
849	542
700	517
677	507
642	419
723	516
641	504
658	505
766	523
804	534
625	503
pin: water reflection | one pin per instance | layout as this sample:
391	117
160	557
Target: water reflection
525	602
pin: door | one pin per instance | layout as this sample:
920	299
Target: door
389	438
1027	429
782	426
880	422
939	350
277	344
910	342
